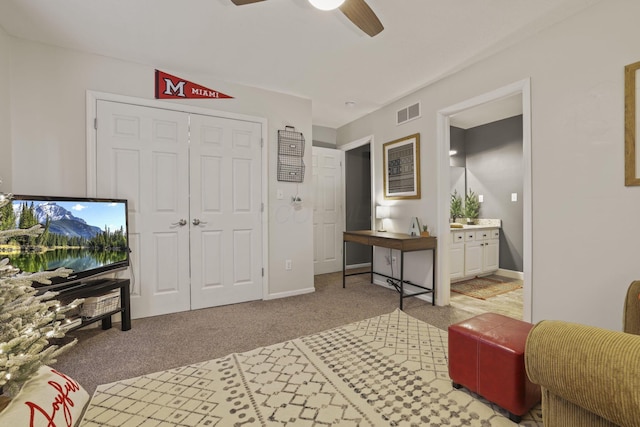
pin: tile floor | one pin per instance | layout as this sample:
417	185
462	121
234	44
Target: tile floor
509	304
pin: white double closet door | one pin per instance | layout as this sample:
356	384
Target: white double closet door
194	186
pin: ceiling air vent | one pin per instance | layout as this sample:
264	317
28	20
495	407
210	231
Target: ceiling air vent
408	113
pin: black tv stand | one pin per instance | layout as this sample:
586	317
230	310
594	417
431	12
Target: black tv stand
100	287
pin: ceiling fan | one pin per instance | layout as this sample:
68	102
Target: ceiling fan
358	12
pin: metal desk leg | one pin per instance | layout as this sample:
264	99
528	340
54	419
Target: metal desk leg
433	284
372	270
401	278
344	261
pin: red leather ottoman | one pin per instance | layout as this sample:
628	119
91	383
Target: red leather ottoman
486	355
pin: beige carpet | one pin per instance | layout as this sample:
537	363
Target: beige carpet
164	342
390	370
484	287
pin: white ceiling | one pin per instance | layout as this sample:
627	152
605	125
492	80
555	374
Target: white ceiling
288	46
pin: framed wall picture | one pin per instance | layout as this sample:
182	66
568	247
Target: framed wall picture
631	125
401	162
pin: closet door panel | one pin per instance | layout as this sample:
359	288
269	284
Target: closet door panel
226	159
143	156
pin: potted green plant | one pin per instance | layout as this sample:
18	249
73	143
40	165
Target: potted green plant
471	207
455	210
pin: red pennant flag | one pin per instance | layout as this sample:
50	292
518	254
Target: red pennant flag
168	86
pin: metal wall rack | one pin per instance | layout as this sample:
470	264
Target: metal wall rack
290	152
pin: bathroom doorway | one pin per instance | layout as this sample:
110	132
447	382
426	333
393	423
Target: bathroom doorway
485	104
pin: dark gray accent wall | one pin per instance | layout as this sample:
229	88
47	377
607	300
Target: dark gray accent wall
494	170
358	200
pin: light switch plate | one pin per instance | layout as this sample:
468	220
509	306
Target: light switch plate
514	197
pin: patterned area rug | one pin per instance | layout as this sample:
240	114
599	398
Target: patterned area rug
483	287
390	370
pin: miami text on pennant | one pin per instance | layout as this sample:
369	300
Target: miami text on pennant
168	86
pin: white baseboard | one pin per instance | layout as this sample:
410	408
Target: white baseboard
350	266
511	274
289	294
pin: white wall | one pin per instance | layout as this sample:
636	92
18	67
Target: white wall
324	134
49	144
585	232
5	128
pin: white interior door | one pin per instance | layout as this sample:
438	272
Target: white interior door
328	223
226	211
194	185
143	156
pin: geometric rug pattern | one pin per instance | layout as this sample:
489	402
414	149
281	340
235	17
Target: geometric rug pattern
484	287
389	370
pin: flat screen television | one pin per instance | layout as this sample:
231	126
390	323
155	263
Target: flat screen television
86	235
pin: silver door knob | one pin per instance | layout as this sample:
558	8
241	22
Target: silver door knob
196	221
181	223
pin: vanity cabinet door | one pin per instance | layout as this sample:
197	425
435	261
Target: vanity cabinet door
473	258
491	255
456	255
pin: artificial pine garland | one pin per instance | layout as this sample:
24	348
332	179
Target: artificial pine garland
28	320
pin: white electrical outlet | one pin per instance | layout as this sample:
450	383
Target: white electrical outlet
287	264
514	197
480	198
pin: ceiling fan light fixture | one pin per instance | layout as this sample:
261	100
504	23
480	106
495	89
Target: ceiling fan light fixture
326	4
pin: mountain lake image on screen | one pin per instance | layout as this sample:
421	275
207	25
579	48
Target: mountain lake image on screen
88	236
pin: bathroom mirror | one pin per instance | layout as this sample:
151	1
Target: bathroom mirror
458	177
631	120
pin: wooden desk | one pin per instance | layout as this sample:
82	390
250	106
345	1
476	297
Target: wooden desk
401	242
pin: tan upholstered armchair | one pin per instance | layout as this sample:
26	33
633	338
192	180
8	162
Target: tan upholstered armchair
589	376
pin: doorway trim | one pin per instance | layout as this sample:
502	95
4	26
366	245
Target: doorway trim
522	87
92	98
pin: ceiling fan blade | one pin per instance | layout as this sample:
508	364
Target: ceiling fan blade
243	2
359	12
